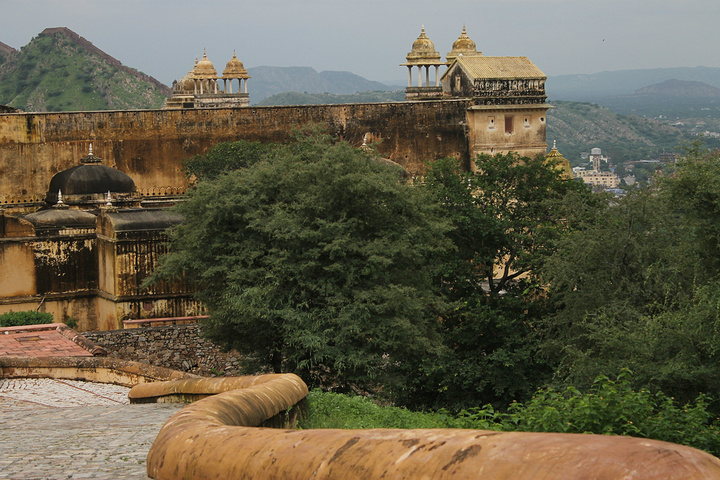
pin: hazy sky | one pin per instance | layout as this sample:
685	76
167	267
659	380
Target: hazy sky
372	37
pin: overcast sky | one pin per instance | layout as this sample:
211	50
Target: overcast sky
372	37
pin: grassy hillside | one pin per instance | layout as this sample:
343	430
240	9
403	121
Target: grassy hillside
578	127
60	71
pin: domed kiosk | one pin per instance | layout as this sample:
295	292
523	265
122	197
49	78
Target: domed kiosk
423	55
559	162
200	89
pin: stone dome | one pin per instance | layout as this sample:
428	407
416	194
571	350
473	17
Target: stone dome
56	217
204	69
88	180
423	51
462	46
235	68
185	84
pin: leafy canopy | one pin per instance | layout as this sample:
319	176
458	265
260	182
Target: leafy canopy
638	286
313	260
507	217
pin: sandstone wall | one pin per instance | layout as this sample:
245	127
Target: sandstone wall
178	347
149	145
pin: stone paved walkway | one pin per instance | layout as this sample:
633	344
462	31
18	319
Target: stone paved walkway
53	429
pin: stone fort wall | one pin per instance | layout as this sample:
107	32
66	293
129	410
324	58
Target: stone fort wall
149	145
178	347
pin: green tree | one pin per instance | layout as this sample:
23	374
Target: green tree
225	157
313	260
638	287
507	217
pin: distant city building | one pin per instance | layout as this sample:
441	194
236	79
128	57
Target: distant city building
595	177
598	179
596	157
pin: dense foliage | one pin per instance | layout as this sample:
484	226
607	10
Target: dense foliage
15	319
638	287
507	217
313	259
225	157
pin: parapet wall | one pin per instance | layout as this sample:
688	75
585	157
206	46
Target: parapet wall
89	369
215	438
149	145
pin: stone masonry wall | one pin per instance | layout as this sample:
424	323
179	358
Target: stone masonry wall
150	145
179	347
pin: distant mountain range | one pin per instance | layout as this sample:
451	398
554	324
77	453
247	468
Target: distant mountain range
679	88
592	87
269	81
60	71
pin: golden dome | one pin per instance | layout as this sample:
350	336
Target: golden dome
204	69
423	51
235	68
462	46
560	163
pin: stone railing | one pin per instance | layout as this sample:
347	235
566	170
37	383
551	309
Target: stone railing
161	191
215	438
90	369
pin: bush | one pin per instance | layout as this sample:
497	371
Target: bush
610	407
14	319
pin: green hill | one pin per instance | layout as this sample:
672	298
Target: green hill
578	127
61	71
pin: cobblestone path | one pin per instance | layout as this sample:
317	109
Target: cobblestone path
61	429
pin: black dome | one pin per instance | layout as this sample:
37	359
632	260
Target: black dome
89	179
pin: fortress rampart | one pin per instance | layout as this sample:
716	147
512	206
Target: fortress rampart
149	145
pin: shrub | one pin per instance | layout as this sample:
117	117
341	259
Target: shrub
14	319
609	407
